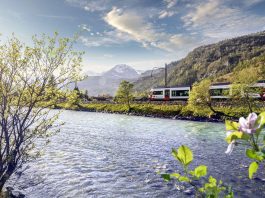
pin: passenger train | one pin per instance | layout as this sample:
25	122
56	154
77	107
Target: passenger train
217	91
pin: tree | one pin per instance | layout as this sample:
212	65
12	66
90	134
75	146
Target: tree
124	93
242	87
29	78
200	98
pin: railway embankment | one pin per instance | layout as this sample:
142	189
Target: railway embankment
163	110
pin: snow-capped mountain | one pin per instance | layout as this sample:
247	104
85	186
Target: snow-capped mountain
121	71
108	82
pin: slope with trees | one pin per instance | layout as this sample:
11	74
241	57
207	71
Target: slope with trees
213	61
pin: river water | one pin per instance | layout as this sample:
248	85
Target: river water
109	155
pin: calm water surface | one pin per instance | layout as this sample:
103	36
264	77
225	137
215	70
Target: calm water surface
108	155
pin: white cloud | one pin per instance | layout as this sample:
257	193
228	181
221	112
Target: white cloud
107	38
202	13
140	30
215	20
170	9
165	13
132	24
170	3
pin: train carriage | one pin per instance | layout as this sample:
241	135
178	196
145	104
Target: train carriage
178	93
172	93
218	91
157	94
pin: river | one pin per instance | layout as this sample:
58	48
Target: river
109	155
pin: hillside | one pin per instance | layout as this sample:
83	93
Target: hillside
213	61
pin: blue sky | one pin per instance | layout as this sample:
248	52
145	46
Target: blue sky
140	33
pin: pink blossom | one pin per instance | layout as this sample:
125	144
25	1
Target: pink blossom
248	125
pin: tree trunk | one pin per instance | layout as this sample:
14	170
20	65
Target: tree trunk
10	170
3	181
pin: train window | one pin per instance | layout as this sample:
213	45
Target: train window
157	92
219	92
180	93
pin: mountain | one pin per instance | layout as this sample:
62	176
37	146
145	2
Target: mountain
121	72
212	60
92	73
108	82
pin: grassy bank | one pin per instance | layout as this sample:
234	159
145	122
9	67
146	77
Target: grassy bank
161	110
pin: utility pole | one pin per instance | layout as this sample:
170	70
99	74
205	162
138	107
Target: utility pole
165	75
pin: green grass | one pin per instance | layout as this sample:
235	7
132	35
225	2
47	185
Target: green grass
160	110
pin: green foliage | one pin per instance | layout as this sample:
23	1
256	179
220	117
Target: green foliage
210	189
125	93
200	96
254	155
229	125
152	109
236	135
31	82
213	188
253	167
183	155
200	171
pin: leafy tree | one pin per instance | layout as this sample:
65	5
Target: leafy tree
242	87
28	77
200	98
124	93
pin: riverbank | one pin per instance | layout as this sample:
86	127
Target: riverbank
180	112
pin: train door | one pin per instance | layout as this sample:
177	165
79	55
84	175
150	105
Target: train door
167	94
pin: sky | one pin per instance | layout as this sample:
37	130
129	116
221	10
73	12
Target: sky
140	33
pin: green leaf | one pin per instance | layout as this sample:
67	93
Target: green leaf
183	179
166	177
254	155
175	155
260	122
200	171
192	173
212	180
236	135
262	118
253	167
176	175
183	154
231	126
